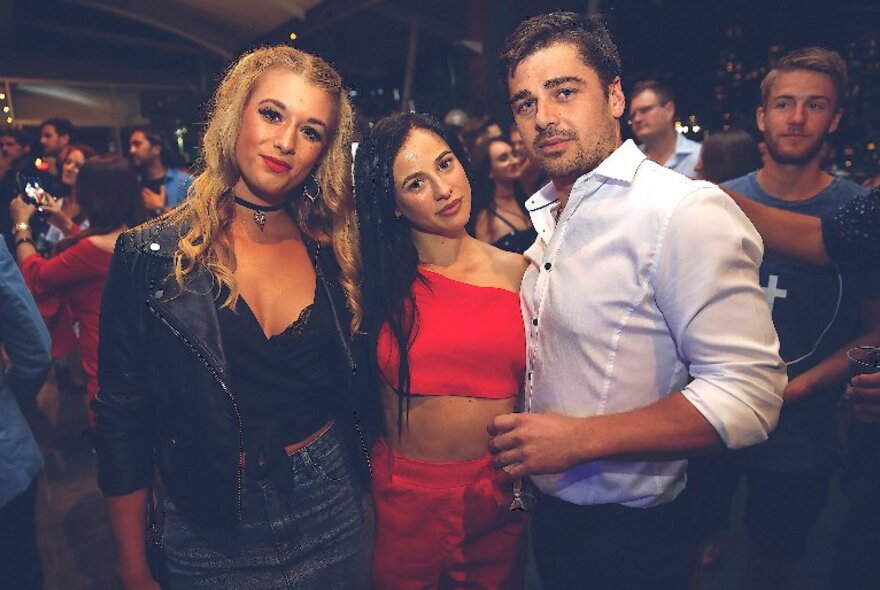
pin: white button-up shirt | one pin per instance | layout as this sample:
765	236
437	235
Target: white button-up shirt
647	275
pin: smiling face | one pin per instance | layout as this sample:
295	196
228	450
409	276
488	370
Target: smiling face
70	168
504	165
284	128
567	118
430	185
801	110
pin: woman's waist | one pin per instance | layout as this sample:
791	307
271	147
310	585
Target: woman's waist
441	428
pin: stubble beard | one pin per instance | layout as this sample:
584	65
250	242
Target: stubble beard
792	158
585	158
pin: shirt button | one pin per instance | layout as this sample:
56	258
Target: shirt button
154	247
547	266
535	322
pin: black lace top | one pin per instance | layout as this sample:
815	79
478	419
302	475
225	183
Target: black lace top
852	235
285	385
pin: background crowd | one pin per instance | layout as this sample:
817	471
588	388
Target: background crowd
63	205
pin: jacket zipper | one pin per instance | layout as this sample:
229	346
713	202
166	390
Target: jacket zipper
351	364
225	389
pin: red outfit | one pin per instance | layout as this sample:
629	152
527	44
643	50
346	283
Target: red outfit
444	521
470	341
75	279
441	523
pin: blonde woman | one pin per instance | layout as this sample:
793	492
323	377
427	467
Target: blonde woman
225	356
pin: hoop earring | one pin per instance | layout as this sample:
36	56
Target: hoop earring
313	195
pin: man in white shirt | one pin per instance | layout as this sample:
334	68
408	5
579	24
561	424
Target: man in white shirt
638	276
652	114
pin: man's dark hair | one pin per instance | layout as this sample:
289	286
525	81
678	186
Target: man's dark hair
62	126
589	34
20	136
662	91
169	157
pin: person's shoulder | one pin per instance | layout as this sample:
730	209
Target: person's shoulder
157	237
847	188
510	265
742	184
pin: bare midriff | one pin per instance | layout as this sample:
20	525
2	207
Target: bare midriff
442	427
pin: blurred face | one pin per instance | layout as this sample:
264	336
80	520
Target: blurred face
51	141
431	188
801	110
12	150
285	127
650	118
516	142
140	149
70	168
503	163
567	122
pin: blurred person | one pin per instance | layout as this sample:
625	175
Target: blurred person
498	214
55	134
727	155
531	177
26	344
652	114
442	313
66	217
15	145
107	192
477	130
225	351
162	185
638	275
819	313
712	478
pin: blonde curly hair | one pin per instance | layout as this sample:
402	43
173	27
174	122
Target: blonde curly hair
209	211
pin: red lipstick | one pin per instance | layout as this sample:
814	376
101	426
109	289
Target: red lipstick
275	165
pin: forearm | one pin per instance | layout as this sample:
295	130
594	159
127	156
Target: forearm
671	428
835	368
790	234
127	516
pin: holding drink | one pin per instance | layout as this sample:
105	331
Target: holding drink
863	390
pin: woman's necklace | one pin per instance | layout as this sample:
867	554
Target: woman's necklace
259	210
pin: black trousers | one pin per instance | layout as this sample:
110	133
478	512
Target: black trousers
613	546
20	566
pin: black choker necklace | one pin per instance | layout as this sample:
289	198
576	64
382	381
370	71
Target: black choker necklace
259	210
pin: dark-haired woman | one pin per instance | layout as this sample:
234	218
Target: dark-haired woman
443	313
499	216
109	197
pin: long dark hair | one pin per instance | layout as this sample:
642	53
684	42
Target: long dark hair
108	193
389	257
483	193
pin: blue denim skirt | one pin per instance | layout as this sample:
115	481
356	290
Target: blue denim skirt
318	536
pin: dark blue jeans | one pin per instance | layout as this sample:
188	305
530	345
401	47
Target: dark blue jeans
318	536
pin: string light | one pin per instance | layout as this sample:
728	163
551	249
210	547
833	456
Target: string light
293	36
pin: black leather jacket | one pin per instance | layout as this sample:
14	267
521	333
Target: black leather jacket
164	396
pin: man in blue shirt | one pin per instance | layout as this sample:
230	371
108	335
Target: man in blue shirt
652	114
26	341
819	312
163	186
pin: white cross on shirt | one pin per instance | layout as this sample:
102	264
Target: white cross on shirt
772	292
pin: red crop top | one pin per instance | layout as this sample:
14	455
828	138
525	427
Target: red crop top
469	341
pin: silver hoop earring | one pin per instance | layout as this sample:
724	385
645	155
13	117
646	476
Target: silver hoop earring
312	195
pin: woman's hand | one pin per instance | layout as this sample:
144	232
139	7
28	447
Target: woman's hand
57	216
20	210
137	577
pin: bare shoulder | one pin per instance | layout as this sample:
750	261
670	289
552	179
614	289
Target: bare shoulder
105	242
507	266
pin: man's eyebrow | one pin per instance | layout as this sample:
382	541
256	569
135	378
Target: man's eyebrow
519	96
555	82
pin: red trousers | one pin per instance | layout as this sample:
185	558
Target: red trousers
444	524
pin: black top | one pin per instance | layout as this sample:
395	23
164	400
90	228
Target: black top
287	385
518	240
852	235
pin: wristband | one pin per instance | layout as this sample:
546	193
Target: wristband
21	241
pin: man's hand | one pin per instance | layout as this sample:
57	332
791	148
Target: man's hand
864	393
153	200
533	444
20	211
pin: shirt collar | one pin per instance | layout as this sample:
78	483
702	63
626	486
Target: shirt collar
685	146
620	165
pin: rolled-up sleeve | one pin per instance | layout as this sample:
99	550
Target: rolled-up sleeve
708	290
